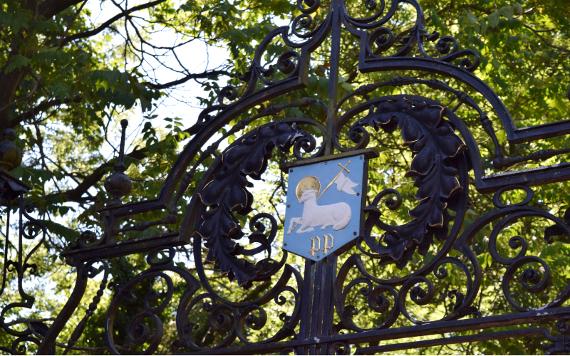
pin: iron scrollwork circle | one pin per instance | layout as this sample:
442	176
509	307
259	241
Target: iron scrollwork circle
134	322
439	169
226	193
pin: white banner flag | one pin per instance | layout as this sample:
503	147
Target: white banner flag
344	184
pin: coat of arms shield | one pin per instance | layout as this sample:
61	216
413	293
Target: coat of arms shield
324	205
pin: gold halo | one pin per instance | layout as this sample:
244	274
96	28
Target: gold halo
308	182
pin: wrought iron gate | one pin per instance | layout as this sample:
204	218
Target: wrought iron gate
419	280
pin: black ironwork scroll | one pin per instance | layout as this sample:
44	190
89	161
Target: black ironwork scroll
215	279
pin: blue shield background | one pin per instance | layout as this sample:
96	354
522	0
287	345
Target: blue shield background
325	171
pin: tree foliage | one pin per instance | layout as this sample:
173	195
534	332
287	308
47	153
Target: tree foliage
71	69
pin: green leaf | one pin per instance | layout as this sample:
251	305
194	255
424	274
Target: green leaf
472	19
61	230
518	9
16	62
493	19
506	11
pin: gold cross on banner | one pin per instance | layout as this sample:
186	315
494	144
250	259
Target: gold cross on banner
342	168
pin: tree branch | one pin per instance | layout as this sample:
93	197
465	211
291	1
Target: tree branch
546	40
76	193
107	23
206	74
49	8
10	83
43	106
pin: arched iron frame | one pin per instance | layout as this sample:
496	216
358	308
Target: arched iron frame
445	155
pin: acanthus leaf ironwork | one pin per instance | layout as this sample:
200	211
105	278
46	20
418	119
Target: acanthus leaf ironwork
277	305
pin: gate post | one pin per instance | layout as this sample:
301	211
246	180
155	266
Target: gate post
317	310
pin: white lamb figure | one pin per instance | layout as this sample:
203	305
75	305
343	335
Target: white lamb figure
314	215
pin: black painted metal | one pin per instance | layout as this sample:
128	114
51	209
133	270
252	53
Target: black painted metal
313	307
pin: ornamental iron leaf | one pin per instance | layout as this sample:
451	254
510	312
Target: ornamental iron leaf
438	154
227	194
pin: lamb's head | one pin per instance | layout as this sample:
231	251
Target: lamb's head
305	185
308	194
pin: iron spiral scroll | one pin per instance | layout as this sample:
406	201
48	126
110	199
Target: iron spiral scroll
215	278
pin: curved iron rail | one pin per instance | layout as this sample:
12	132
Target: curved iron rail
277	306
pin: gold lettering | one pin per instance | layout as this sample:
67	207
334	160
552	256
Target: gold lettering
328	243
315	245
325	247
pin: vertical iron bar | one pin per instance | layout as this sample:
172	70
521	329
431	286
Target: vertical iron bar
5	264
20	252
327	301
306	304
336	8
318	304
328	276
